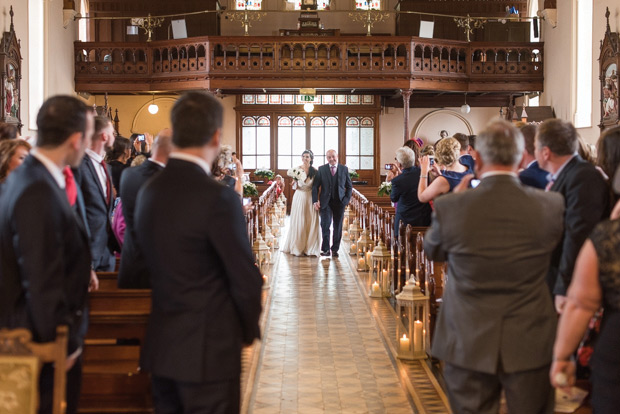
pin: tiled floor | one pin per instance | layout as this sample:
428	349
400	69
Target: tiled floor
323	351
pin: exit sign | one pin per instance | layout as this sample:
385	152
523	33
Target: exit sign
307	98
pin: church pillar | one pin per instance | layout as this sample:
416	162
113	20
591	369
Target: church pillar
406	95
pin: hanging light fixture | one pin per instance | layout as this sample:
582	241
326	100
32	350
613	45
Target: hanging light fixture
153	108
465	108
309	107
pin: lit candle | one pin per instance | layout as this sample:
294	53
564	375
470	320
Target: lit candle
353	248
376	289
367	257
404	344
265	280
407	273
418	336
362	263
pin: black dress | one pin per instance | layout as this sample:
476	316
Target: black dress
605	361
116	169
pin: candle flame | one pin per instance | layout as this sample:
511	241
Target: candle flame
404	336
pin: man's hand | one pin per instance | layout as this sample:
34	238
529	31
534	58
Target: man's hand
560	302
70	362
93	285
317	205
464	184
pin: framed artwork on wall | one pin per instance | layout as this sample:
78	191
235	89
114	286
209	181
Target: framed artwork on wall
609	62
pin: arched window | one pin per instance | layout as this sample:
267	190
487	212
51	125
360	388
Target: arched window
255	142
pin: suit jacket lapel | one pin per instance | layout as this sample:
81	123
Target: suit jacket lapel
564	173
95	176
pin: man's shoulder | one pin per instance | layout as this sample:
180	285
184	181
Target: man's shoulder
583	172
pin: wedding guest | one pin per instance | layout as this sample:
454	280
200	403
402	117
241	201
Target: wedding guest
13	152
118	158
450	172
409	209
464	157
595	283
608	158
585	192
8	131
279	184
532	174
496	324
206	288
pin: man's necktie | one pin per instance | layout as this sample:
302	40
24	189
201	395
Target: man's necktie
70	187
108	182
333	167
549	184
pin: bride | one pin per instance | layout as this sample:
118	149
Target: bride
303	235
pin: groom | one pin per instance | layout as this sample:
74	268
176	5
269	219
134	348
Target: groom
336	189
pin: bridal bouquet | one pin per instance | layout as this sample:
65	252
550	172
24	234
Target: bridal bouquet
385	189
297	174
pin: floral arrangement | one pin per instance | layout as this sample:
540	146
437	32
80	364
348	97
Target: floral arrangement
250	190
353	174
384	189
297	174
264	173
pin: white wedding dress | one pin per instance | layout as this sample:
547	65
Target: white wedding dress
304	235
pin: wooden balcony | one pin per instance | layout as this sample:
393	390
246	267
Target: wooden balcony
339	62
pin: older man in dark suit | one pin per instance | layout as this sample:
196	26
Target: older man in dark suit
206	287
496	325
45	260
93	178
586	195
133	273
335	186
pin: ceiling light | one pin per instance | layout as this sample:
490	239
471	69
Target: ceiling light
465	108
309	107
153	108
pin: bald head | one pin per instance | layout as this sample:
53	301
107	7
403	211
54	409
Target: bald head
332	157
162	145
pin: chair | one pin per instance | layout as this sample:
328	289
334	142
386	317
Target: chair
20	365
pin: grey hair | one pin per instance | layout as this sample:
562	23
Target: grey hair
500	143
405	156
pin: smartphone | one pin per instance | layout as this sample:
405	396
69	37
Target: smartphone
141	137
388	166
431	159
474	183
246	201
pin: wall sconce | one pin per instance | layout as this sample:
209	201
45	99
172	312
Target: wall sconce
465	109
153	108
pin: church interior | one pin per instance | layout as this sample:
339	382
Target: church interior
361	77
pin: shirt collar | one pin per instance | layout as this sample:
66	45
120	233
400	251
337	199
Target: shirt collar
192	158
553	177
530	164
161	164
51	166
94	156
494	173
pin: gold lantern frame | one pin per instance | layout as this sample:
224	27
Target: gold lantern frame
379	282
412	329
365	246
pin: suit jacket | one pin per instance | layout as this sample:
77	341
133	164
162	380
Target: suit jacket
534	176
45	260
587	198
405	193
323	181
206	287
133	273
98	210
497	239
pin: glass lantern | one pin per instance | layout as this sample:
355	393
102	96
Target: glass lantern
282	208
270	242
346	217
364	249
412	327
262	257
354	234
380	272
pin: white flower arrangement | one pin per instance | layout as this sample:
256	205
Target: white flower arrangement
297	174
385	189
265	173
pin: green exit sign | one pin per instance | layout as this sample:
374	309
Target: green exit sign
307	98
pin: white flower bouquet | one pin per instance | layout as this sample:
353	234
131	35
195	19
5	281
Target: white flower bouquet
250	190
297	174
385	189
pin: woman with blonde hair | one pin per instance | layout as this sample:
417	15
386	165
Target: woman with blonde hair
449	170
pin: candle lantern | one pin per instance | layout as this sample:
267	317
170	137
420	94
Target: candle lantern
270	242
346	217
380	272
354	234
364	247
412	327
261	255
282	208
275	227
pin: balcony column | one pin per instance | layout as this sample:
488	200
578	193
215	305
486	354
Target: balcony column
406	95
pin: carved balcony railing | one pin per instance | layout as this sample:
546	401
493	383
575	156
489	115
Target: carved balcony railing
334	62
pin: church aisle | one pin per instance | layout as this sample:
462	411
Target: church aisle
321	350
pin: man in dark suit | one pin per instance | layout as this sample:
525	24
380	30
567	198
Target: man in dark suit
496	325
45	260
132	273
532	174
93	178
585	192
206	287
405	192
336	188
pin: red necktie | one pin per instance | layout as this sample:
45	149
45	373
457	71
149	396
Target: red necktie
70	187
333	167
108	183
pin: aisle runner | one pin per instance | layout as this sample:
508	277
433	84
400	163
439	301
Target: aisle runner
321	351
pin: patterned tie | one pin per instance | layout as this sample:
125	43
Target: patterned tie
550	184
107	181
70	187
333	167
